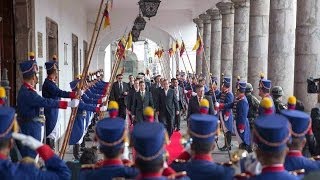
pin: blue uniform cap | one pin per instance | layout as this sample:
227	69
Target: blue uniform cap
265	84
214	80
6	119
111	133
203	128
227	81
28	68
149	140
242	86
271	133
300	122
51	65
73	84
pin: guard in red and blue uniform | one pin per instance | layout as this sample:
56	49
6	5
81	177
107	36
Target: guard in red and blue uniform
264	91
29	104
79	126
55	167
203	131
271	134
149	140
111	136
52	91
226	117
241	123
301	124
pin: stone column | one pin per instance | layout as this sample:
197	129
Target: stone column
258	41
281	56
241	39
227	11
215	53
199	24
206	45
307	50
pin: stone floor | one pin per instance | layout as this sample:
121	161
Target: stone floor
218	156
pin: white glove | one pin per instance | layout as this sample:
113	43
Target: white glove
104	99
73	103
194	94
241	131
29	141
103	108
216	104
188	149
252	165
226	117
185	91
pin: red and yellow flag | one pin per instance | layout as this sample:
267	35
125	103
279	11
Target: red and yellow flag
198	46
106	18
129	41
182	49
171	52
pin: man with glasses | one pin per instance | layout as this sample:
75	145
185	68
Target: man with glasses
118	93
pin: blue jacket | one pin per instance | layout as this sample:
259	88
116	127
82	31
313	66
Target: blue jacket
227	98
52	91
108	171
282	175
56	169
78	126
295	161
241	109
28	108
204	169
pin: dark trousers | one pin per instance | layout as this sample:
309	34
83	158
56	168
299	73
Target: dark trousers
177	118
122	111
167	120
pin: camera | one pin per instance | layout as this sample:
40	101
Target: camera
313	85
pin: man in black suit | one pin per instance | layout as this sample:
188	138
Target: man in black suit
181	101
130	97
131	81
194	101
118	93
167	107
155	89
141	100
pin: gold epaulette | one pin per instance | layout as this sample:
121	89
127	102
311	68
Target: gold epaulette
297	172
180	161
89	166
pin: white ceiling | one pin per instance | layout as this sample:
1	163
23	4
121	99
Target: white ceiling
173	16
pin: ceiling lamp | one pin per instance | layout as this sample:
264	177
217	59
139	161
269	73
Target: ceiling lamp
135	34
149	8
140	23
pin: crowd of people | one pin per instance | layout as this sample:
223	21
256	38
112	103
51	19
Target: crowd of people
140	116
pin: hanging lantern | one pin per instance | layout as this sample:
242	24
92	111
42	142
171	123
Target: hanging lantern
140	23
135	34
149	8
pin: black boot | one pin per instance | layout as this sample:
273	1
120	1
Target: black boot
227	142
76	149
50	142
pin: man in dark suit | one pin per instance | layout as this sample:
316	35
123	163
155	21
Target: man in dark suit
167	107
142	99
130	97
118	93
181	101
131	81
194	101
155	89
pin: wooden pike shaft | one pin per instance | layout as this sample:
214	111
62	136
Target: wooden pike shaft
93	42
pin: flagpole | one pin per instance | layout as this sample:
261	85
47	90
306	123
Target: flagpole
93	42
186	52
